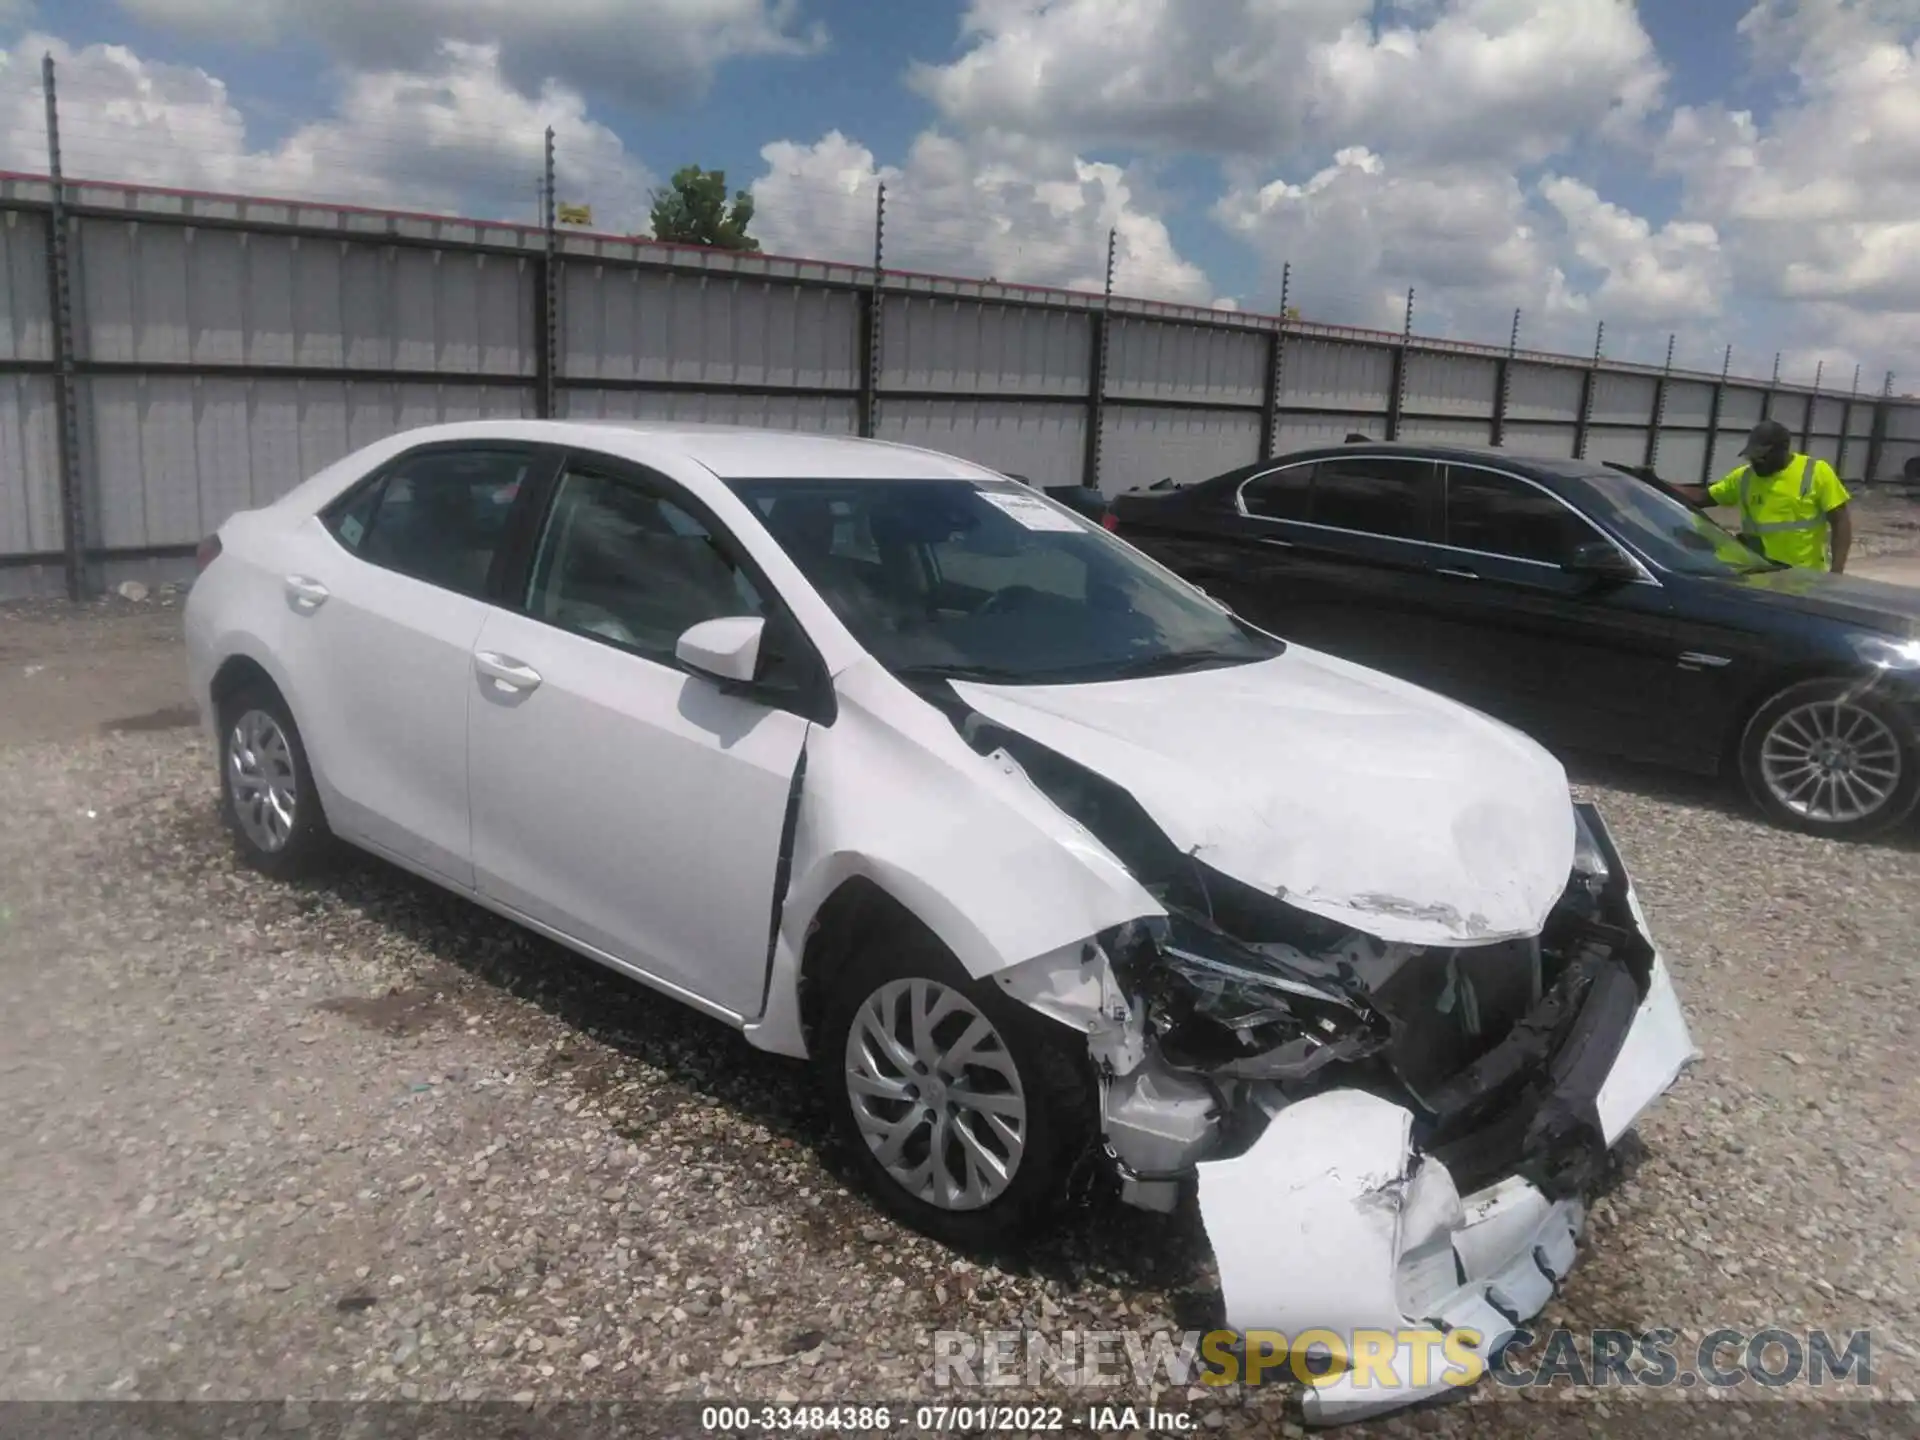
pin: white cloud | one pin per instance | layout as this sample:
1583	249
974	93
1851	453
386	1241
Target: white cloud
1818	203
1020	212
641	52
1675	273
455	137
1498	79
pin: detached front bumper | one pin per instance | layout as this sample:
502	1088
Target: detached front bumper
1335	1221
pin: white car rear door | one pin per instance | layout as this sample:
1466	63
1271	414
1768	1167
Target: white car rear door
385	614
630	805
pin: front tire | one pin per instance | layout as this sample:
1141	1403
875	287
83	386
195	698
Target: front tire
267	794
1827	757
965	1112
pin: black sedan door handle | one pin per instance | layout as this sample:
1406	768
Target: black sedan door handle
1457	574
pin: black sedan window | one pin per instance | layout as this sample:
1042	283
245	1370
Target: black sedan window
1498	515
1375	495
1672	535
1280	494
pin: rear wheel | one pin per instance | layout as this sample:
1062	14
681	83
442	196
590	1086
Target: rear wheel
267	793
1827	758
964	1111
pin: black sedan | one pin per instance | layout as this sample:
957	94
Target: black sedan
1581	604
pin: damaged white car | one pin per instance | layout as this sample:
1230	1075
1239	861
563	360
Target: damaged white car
1048	861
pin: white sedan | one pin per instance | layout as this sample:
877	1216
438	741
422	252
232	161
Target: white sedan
1042	855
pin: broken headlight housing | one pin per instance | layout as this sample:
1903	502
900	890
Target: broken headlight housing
1239	1011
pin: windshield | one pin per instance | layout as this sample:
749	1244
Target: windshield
973	579
1674	536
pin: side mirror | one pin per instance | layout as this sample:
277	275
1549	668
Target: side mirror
727	649
1600	561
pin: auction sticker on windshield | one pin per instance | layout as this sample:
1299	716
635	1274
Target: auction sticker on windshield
1034	514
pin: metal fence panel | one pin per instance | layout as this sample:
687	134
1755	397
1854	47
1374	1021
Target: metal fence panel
26	331
933	343
1903	422
168	457
1827	415
1790	411
1448	384
1861	421
1740	407
621	323
1140	446
1447	432
1336	375
1301	432
1622	445
1689	402
1534	438
1894	456
1047	443
823	414
1156	360
1827	448
1544	392
29	466
1727	446
1683	455
1622	399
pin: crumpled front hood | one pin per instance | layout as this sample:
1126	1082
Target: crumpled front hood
1349	794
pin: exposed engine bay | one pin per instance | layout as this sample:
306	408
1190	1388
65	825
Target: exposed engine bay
1206	1022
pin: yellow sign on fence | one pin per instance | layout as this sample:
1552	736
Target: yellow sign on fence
573	214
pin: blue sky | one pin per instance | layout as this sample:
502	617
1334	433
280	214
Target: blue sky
1581	159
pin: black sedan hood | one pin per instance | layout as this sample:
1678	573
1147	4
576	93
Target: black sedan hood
1869	604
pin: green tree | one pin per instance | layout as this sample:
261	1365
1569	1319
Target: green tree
693	210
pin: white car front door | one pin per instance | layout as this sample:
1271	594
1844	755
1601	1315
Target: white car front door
618	799
388	594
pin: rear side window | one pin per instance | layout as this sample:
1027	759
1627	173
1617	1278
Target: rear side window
440	516
1280	494
1497	515
1375	495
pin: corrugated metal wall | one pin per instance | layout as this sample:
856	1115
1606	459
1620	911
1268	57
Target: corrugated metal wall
227	348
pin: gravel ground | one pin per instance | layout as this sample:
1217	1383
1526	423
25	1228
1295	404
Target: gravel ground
360	1139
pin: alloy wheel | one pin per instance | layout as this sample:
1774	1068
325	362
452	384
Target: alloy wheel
936	1094
1831	761
265	785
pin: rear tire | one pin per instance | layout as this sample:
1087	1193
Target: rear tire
267	794
1826	757
970	1135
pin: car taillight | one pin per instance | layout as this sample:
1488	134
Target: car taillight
1110	520
208	552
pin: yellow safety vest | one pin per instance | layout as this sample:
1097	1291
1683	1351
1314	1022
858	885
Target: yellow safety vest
1780	510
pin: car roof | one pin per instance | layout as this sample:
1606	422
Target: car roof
1445	451
733	452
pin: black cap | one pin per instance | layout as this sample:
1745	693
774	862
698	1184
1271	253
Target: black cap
1767	435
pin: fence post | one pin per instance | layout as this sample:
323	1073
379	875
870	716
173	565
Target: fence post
1813	400
1588	385
1846	425
73	509
1097	390
1397	393
546	325
1659	408
1766	405
1503	384
1877	442
1707	477
872	313
1276	371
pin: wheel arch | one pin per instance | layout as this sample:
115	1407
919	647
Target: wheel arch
1776	683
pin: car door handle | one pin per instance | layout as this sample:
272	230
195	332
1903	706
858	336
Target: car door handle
307	594
507	674
1457	574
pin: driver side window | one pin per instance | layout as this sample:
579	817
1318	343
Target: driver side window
1496	515
624	564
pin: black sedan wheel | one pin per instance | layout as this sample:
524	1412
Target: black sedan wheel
1827	758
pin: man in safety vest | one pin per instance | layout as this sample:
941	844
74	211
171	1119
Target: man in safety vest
1793	508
